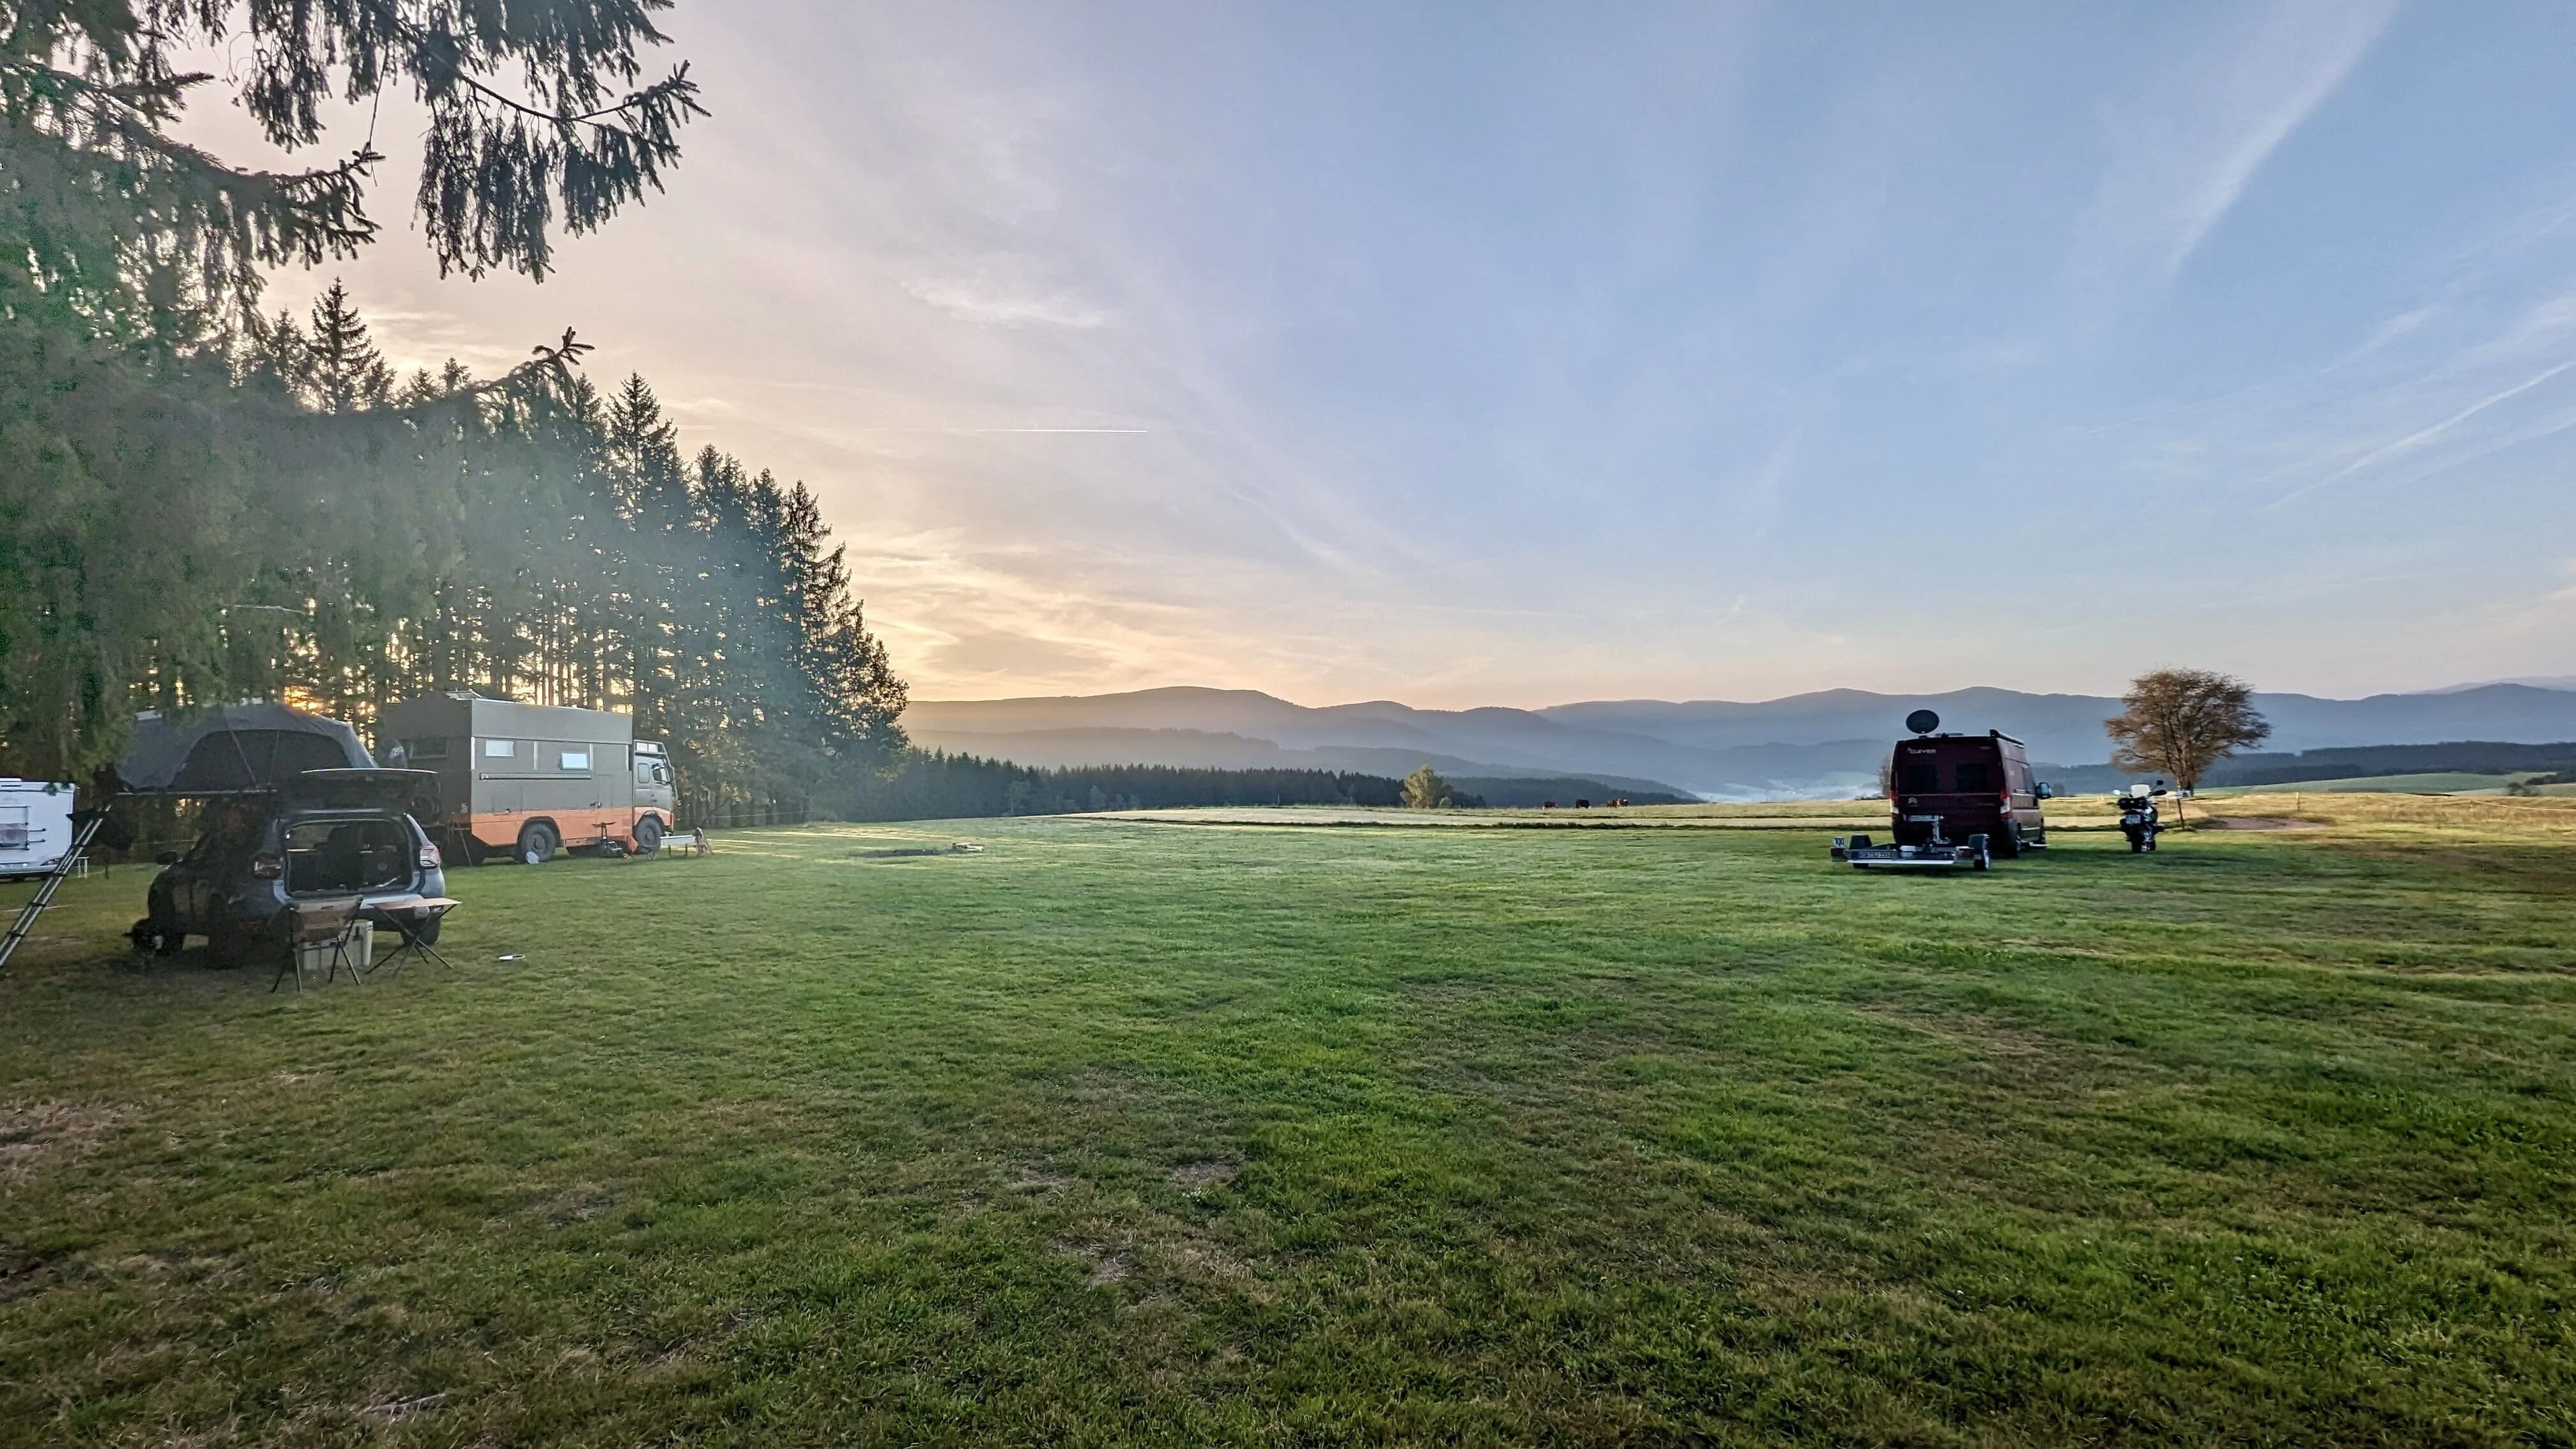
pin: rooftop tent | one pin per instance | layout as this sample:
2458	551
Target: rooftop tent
235	747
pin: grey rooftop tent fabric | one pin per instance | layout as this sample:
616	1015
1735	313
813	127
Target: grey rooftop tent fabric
234	747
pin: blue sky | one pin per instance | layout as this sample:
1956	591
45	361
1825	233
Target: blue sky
1484	354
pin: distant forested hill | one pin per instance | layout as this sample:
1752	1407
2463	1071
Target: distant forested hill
938	786
1824	743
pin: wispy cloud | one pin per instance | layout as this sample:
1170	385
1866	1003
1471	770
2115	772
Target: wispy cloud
974	302
2423	436
1323	351
2187	150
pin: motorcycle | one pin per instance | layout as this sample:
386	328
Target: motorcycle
2138	817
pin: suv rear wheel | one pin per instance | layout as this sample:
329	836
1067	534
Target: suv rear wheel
538	843
232	943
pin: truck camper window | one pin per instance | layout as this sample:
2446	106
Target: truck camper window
500	749
1973	775
433	747
575	759
1922	775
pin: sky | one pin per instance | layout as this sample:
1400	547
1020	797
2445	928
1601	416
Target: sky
1499	354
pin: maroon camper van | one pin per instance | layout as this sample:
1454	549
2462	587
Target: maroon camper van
1955	800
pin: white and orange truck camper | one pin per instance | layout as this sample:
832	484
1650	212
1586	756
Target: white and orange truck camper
528	781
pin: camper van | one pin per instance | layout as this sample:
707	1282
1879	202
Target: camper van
1955	803
35	827
527	781
1954	786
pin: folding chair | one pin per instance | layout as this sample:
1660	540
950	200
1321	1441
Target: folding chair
311	925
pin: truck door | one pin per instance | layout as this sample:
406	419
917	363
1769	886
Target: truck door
652	782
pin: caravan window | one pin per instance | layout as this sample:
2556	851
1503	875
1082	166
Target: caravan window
433	747
576	759
500	749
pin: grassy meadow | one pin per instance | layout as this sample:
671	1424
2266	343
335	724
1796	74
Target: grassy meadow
1126	1132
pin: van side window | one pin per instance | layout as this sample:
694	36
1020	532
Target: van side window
500	749
1973	775
1922	775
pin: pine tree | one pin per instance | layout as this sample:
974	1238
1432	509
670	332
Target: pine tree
344	372
122	230
641	452
175	525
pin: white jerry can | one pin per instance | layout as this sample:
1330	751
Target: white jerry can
35	826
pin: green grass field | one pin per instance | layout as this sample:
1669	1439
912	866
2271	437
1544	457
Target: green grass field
1127	1132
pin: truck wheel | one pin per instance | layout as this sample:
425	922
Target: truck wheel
2010	848
538	843
648	835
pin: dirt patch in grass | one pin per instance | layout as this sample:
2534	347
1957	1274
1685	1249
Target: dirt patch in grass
34	1135
21	1274
1994	1046
1200	1176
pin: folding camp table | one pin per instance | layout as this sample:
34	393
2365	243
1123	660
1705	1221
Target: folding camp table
410	918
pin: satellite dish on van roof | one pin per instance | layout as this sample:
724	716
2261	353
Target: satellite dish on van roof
1923	721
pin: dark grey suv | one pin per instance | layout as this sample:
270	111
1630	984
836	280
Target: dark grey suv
321	834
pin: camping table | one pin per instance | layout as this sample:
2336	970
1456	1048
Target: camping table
403	915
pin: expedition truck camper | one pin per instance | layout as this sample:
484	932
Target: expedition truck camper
528	780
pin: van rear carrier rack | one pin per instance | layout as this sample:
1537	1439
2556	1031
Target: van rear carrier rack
1936	854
